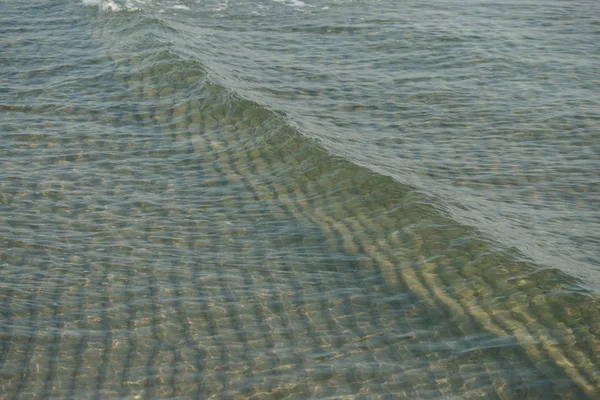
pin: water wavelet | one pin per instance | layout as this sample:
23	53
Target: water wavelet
215	250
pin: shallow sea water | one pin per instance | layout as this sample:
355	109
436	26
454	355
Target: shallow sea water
299	199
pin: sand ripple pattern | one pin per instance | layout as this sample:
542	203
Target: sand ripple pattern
165	238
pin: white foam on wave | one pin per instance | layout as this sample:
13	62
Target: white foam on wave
134	5
180	7
113	6
293	3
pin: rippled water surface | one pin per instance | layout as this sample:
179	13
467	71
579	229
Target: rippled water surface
299	199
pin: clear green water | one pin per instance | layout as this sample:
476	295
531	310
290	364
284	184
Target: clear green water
185	216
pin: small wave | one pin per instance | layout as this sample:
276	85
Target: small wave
130	5
293	3
113	6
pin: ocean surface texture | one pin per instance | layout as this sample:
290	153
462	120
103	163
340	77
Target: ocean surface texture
292	199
